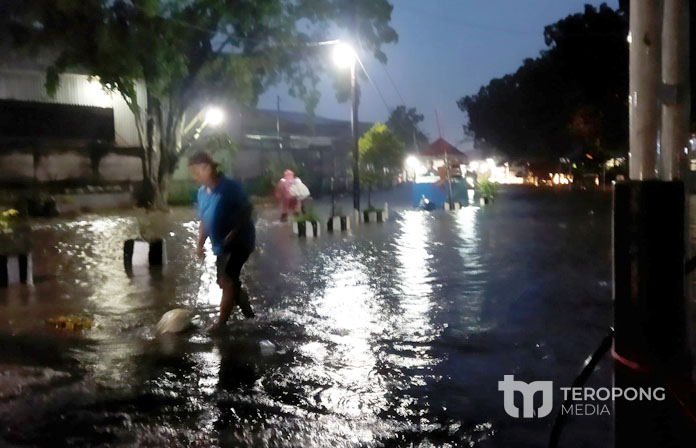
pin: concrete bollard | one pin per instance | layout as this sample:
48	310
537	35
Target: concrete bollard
455	206
338	224
306	229
139	253
374	216
15	269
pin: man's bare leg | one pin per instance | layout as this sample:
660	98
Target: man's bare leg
241	298
226	304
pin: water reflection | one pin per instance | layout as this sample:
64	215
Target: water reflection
347	310
415	290
393	335
468	245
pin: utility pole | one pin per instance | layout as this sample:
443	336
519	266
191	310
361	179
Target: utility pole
644	79
333	175
651	344
675	89
354	129
447	166
280	141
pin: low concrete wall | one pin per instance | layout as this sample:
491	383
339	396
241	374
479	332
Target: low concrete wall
24	166
16	166
118	167
63	166
85	202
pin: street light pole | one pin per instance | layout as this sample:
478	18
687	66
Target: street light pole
345	57
354	130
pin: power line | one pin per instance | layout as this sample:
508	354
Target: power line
309	44
379	92
228	34
384	66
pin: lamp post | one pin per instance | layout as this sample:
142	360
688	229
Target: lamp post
213	116
345	57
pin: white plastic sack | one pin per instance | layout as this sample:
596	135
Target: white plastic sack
298	190
175	321
267	347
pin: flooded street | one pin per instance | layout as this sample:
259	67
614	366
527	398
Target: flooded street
393	335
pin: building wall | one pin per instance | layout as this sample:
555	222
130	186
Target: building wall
120	168
38	152
62	167
16	166
75	90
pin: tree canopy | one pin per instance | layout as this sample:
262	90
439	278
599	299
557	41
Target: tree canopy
381	154
404	122
187	51
572	99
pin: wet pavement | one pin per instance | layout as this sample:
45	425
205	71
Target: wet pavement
395	334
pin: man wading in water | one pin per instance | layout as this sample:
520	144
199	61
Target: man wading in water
225	213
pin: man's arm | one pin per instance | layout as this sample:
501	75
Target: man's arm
202	236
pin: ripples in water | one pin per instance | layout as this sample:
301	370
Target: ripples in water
393	335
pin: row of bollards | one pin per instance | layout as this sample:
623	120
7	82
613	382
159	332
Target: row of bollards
139	255
15	269
313	229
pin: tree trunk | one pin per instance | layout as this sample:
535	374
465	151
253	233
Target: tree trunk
160	135
175	132
164	131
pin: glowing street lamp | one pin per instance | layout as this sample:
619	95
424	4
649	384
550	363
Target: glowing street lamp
214	116
412	163
344	56
211	115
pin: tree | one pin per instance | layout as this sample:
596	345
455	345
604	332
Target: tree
186	51
381	156
404	123
570	100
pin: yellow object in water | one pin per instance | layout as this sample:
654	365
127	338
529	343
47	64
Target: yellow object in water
72	323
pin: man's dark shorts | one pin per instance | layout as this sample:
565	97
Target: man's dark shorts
230	262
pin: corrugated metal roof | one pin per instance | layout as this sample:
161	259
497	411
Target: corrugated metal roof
75	90
124	120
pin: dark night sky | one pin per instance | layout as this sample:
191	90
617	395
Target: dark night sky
446	49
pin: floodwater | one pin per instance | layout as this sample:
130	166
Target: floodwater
394	335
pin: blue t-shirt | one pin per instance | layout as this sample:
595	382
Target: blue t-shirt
220	209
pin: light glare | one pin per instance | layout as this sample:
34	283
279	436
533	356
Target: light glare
412	161
214	116
343	55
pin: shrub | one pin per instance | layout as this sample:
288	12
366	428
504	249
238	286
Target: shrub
308	215
8	219
487	188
